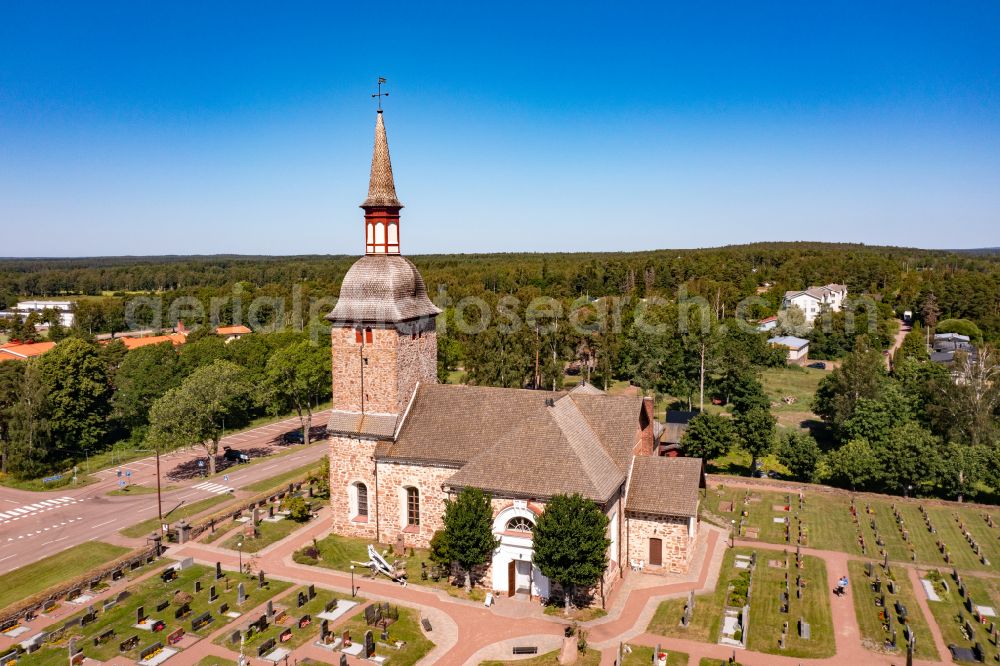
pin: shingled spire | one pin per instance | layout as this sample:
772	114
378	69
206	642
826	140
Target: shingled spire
381	206
381	188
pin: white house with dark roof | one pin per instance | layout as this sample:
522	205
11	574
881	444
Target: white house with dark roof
401	444
812	300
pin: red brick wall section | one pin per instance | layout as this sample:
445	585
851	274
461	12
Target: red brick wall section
392	479
672	531
351	462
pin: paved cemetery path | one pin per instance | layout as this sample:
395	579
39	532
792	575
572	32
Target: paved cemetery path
34	525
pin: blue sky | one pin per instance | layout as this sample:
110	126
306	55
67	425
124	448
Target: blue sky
243	127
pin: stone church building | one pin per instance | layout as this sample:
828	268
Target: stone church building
400	443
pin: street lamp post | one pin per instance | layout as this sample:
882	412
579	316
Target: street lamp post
732	534
352	580
239	547
159	496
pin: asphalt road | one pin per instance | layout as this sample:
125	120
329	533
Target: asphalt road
34	525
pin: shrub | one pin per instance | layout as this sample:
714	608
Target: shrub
297	509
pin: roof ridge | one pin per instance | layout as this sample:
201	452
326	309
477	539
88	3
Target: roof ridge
582	439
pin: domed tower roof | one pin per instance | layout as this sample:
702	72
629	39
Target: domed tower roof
382	288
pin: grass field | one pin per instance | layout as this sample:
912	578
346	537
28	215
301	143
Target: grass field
766	618
38	576
280	479
406	628
216	661
269	533
183	511
950	613
828	525
643	656
150	594
871	625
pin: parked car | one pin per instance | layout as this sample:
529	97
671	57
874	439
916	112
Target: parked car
234	455
819	365
293	437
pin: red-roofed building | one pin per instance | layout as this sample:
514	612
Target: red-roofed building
17	351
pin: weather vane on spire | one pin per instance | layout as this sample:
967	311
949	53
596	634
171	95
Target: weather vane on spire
380	94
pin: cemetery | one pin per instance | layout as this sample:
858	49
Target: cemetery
887	611
909	530
404	642
966	609
155	618
260	527
641	655
291	621
792	620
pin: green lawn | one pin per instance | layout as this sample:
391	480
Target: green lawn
643	656
49	571
707	618
826	519
149	594
183	511
337	552
281	479
289	603
871	625
269	533
766	618
216	661
950	612
406	628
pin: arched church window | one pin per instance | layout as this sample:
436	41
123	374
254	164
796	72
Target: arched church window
412	507
519	524
362	499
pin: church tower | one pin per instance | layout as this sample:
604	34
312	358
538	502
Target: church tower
383	335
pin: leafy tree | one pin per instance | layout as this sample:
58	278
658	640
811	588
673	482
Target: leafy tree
799	452
297	377
961	327
76	379
708	436
145	375
201	353
321	477
571	543
853	465
909	455
440	551
792	321
969	407
196	411
964	468
11	378
755	431
914	346
861	375
29	429
930	311
875	418
468	531
297	508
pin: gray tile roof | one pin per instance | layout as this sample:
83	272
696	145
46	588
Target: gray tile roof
382	288
512	441
381	187
378	426
665	486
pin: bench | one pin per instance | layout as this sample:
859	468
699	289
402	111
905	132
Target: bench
426	624
525	649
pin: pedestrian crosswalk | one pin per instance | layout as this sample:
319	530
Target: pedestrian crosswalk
10	515
216	488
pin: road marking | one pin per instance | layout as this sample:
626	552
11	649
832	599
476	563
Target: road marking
45	543
216	488
7	558
108	522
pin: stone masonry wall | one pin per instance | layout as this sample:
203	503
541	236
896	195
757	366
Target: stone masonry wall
673	531
350	462
393	477
416	360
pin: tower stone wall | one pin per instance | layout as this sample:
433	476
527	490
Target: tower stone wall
351	462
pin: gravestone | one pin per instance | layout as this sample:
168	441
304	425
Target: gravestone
324	630
162	605
804	630
218	570
212	595
330	605
343	659
140	614
369	645
197	586
241	595
312	591
261	582
304	621
301	600
370	615
270	611
235	636
223	608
